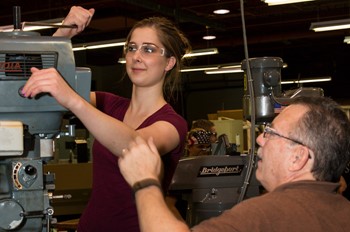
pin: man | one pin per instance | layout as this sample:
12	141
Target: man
208	126
198	143
302	156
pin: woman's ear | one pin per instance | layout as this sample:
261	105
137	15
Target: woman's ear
171	64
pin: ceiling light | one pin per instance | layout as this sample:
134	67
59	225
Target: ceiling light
221	11
281	2
330	25
202	52
209	37
198	68
100	44
121	61
315	79
226	69
347	39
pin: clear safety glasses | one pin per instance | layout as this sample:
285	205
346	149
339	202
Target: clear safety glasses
146	50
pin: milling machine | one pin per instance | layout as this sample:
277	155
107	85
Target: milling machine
28	127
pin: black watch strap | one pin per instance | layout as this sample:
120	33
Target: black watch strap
145	183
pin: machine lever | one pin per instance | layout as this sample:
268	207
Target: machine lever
43	24
64	196
32	214
16	17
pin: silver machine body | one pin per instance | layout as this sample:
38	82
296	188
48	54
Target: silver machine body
28	127
268	96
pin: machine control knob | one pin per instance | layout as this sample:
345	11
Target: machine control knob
30	170
20	92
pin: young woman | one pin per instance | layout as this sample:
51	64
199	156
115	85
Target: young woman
153	52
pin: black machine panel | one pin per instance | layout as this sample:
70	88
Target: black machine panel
211	184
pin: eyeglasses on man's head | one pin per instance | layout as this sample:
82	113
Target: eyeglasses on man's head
269	131
146	49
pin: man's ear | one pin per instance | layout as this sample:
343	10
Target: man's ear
299	158
171	64
189	142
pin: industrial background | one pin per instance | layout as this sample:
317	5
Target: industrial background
279	31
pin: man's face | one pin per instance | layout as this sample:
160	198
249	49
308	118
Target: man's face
199	143
213	135
275	152
199	149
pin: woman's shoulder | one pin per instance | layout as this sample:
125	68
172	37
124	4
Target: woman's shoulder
168	114
110	103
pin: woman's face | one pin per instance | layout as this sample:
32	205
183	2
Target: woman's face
146	63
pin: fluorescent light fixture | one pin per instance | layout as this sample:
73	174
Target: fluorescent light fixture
330	25
234	68
221	11
202	52
100	44
315	79
198	68
226	69
347	39
281	2
121	61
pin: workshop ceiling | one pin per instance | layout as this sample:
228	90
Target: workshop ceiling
281	31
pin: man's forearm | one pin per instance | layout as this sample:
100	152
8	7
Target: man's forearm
154	214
